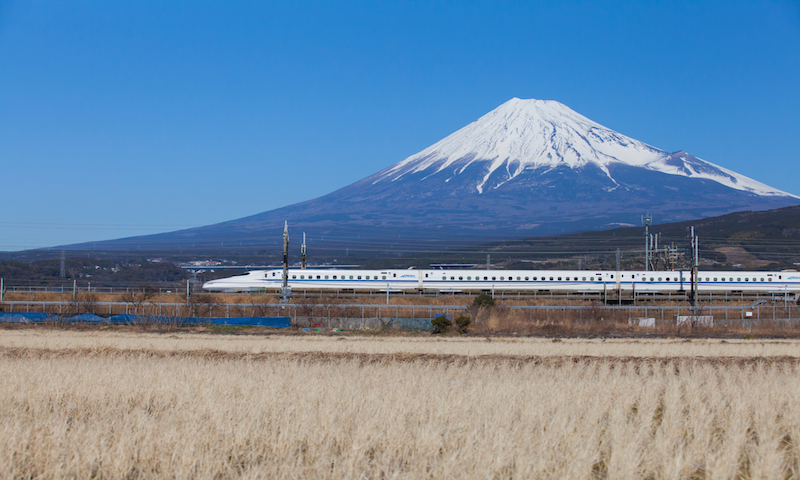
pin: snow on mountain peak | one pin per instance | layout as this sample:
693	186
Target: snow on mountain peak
524	134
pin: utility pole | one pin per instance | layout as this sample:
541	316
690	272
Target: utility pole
619	278
63	266
672	257
488	263
646	221
654	251
285	290
695	265
303	251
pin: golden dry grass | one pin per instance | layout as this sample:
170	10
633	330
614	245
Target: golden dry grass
54	339
249	300
125	405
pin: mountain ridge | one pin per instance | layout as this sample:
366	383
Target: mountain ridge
568	174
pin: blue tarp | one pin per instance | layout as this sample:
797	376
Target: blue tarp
411	323
26	317
275	322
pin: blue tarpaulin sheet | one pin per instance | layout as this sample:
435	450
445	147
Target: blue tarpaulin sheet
275	322
411	323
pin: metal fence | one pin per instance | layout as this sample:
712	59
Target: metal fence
336	315
611	298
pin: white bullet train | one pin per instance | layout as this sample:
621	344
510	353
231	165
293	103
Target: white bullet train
561	281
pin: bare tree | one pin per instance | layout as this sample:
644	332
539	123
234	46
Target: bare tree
138	298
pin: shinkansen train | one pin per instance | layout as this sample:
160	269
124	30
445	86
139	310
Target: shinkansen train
561	281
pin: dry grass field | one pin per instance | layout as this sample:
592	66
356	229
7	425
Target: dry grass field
107	404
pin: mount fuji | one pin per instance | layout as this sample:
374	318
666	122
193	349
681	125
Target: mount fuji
527	168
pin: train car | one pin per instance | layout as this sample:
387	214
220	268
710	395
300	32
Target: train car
473	281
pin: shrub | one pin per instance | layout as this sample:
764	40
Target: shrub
484	300
462	323
441	324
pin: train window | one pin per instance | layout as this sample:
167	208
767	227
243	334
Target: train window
612	276
770	280
651	279
659	279
559	279
583	279
486	278
762	279
394	275
359	277
502	278
452	278
746	279
494	278
526	279
426	275
461	278
551	279
326	277
567	279
302	277
469	278
367	277
273	274
294	276
351	277
715	279
444	277
519	278
334	277
384	277
738	279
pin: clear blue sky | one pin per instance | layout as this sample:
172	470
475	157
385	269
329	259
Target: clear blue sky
127	118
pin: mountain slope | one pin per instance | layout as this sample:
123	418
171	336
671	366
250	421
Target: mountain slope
527	168
534	135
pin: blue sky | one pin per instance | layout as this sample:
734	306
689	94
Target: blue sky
128	118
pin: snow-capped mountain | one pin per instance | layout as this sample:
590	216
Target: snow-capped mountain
527	168
522	135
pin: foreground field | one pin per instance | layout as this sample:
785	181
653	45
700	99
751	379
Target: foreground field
261	345
114	405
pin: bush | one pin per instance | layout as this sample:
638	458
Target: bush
441	324
484	300
462	323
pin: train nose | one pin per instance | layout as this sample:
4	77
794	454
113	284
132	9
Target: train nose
211	285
